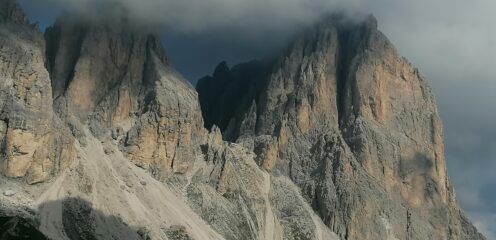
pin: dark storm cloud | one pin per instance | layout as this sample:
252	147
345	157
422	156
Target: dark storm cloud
451	41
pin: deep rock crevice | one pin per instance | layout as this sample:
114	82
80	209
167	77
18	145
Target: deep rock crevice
53	38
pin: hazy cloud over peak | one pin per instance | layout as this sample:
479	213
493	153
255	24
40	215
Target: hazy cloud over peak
203	15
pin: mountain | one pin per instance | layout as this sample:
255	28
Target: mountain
353	125
101	138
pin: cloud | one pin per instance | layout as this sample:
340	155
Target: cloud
202	15
485	222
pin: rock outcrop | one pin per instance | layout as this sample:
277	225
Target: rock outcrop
354	126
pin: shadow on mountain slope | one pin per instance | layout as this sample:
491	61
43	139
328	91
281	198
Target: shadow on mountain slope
75	219
15	227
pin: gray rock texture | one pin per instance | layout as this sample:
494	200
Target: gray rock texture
241	201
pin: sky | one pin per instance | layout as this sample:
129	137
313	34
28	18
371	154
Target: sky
452	42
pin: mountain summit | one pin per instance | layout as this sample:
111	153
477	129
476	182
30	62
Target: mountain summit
338	138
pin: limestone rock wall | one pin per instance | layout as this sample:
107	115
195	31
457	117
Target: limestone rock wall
114	76
356	127
167	137
100	67
30	146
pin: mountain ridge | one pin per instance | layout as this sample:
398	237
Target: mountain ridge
316	152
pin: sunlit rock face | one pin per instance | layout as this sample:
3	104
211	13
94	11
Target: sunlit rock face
354	125
30	147
112	74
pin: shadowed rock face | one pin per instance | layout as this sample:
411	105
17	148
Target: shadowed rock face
355	127
240	87
80	221
11	12
16	228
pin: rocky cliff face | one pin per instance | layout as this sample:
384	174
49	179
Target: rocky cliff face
338	139
30	146
240	86
111	74
144	167
355	127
